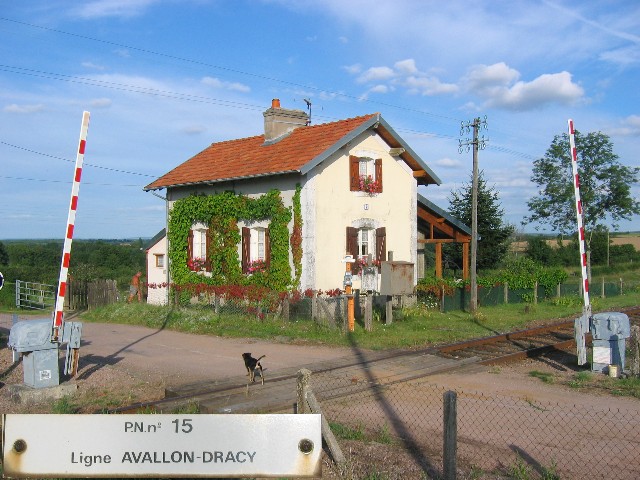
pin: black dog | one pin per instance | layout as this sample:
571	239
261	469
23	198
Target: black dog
252	364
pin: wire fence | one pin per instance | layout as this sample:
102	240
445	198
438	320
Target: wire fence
495	433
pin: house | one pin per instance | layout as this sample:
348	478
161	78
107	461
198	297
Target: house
285	207
157	269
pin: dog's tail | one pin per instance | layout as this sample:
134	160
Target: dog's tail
261	358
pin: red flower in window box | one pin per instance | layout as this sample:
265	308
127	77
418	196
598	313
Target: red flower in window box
197	264
369	185
257	266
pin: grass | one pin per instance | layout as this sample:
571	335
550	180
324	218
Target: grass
544	376
414	327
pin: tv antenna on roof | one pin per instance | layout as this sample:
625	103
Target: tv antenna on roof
308	102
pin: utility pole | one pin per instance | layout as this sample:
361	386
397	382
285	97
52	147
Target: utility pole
478	144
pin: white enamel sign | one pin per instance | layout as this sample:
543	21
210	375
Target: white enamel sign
162	445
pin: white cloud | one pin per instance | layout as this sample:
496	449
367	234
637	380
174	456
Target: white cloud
498	85
547	88
100	103
448	163
112	8
405	74
193	129
343	39
217	83
407	66
630	127
379	89
92	66
15	108
353	69
375	74
486	77
428	85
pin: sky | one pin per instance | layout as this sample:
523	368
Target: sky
163	79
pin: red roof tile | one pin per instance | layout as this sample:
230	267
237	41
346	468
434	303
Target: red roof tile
248	157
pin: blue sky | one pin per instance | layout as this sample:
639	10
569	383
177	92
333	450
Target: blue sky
165	78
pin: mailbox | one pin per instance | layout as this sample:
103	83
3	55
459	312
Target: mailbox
396	278
609	331
40	362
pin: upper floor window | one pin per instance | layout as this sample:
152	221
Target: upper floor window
365	174
159	260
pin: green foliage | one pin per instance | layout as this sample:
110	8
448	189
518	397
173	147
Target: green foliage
64	406
4	256
296	236
221	213
541	252
544	376
39	261
493	233
345	432
605	184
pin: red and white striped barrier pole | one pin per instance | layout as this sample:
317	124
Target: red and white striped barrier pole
58	314
581	324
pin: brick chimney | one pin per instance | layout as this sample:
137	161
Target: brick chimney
278	121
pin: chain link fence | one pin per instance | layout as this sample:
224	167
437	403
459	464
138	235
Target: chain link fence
495	433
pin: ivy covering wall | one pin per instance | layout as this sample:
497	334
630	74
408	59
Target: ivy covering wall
221	213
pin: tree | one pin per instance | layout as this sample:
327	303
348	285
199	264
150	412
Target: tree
541	252
605	185
493	234
4	256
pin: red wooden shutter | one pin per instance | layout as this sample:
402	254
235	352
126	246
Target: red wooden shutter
267	248
379	174
352	242
207	255
381	244
189	246
246	254
354	173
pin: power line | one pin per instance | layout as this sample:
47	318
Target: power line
68	160
227	69
67	182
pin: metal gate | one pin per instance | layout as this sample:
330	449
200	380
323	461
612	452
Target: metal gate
36	296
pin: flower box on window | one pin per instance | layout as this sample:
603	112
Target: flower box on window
369	185
197	264
257	266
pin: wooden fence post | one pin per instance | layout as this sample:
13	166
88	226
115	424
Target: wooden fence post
450	440
634	347
314	306
506	292
368	312
302	387
285	308
535	293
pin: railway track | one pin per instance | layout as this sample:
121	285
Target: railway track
515	346
390	367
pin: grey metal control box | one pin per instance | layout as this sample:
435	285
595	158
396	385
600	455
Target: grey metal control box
40	359
609	331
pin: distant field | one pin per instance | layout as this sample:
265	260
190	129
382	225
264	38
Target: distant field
618	239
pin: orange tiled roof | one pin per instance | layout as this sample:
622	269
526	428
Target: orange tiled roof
249	157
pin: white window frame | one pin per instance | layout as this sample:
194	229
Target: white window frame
199	249
369	241
257	248
159	260
367	167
